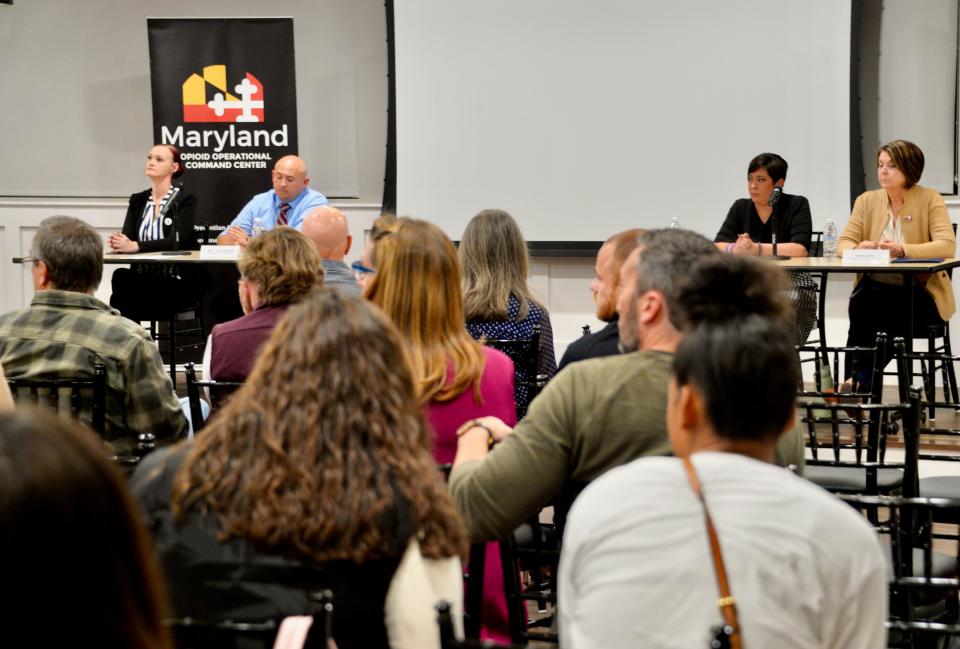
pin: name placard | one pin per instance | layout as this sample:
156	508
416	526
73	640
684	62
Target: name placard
859	257
228	253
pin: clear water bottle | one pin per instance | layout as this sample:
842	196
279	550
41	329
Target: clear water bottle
675	223
258	228
830	240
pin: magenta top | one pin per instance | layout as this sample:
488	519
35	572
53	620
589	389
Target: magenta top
496	389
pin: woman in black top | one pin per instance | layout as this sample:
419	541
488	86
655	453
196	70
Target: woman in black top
159	218
748	230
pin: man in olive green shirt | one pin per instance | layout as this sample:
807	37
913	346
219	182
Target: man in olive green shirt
595	415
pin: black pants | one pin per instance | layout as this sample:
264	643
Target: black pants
153	292
875	306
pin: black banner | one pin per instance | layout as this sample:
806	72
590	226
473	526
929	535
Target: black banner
224	93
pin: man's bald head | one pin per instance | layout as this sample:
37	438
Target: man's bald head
327	227
289	177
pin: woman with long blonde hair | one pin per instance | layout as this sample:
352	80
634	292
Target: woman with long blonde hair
317	474
417	283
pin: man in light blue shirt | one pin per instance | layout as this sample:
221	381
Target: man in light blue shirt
286	204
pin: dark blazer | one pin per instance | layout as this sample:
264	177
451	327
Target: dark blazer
181	211
602	343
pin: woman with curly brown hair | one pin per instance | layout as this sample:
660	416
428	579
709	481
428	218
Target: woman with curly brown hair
316	475
417	283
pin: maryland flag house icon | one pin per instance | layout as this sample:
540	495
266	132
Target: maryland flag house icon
244	104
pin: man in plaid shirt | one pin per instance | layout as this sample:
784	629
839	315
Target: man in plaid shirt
66	331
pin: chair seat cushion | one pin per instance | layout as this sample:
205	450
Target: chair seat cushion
941	486
851	479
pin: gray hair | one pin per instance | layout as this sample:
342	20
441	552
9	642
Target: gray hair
666	256
72	251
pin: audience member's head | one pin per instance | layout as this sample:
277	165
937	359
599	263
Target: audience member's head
494	262
314	450
77	568
606	282
67	255
290	177
327	227
279	266
384	225
417	284
649	282
735	372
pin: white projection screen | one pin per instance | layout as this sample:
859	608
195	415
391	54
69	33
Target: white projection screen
585	118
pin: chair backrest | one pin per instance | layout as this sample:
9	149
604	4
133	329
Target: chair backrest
816	244
525	354
832	359
68	396
856	434
448	636
191	633
219	391
919	574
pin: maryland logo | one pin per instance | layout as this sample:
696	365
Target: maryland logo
223	106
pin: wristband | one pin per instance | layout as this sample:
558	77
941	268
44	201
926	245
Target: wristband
475	423
729	248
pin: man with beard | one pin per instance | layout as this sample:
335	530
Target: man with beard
605	288
595	415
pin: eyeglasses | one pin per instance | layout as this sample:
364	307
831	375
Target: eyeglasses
28	260
360	271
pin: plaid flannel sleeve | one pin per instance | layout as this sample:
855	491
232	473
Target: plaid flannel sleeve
152	405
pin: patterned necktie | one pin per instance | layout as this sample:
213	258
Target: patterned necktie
284	207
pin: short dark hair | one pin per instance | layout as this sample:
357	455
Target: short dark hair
72	251
907	157
775	165
68	519
666	258
736	349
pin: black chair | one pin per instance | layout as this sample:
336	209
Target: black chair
934	359
448	637
197	331
78	399
525	354
532	548
855	436
832	360
815	283
190	633
83	396
924	583
219	391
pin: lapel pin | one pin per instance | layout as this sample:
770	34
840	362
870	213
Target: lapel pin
907	218
168	220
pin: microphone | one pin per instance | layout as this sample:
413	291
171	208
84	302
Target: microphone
775	196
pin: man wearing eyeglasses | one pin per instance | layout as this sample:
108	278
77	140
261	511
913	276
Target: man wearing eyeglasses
287	203
66	331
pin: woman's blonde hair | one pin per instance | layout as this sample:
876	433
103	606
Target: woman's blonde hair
417	284
284	265
494	262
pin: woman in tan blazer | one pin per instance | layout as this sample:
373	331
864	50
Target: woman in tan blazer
909	221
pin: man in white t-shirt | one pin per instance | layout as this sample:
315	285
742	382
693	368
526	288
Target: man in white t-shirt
805	570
